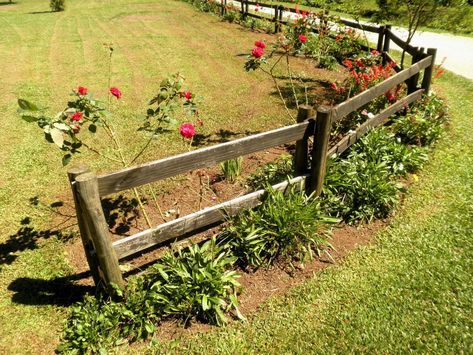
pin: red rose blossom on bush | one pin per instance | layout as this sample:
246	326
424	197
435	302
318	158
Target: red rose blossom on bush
82	90
77	116
187	130
188	95
302	38
260	44
257	52
115	92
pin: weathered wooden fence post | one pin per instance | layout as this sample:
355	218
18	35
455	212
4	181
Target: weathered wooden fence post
379	46
413	81
323	125
387	28
247	8
280	13
72	174
301	157
89	199
429	70
276	18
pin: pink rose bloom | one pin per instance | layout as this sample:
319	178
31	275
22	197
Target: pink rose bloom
115	92
82	90
260	44
302	38
77	116
257	52
188	95
187	130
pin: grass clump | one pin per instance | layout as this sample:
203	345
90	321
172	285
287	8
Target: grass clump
289	227
186	284
231	169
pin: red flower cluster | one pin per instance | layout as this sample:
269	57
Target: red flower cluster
302	38
258	51
187	95
77	116
187	130
115	92
82	90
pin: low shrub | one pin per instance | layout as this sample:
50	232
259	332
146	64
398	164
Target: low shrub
288	226
424	124
185	284
356	189
382	146
57	5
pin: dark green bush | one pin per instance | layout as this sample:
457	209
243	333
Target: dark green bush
288	226
186	284
57	5
424	124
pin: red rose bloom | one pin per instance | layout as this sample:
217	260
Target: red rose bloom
82	90
187	130
348	63
77	116
187	95
375	52
260	44
334	86
302	38
115	92
257	52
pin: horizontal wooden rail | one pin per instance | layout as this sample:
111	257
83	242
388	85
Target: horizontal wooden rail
360	26
378	120
364	97
401	43
194	221
201	158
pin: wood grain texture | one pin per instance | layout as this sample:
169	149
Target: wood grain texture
203	218
89	199
201	158
301	155
364	97
364	27
376	121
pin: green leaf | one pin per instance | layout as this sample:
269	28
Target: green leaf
66	159
61	126
28	118
57	137
92	128
26	105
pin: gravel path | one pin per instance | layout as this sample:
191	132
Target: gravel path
455	52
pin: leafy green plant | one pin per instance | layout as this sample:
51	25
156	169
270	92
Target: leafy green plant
187	284
382	146
231	169
57	5
357	189
289	227
424	124
197	282
272	173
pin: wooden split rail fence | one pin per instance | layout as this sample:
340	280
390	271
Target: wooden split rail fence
103	254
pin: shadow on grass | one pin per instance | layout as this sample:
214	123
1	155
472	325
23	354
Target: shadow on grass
221	136
27	238
5	3
41	12
121	213
61	291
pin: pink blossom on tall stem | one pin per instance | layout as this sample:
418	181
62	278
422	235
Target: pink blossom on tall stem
115	92
257	52
82	90
187	130
260	44
187	95
302	38
77	116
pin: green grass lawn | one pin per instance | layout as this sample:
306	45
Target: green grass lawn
410	289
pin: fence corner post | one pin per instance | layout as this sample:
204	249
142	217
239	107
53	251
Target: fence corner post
427	80
72	174
386	43
301	156
323	125
89	199
379	46
276	19
413	81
